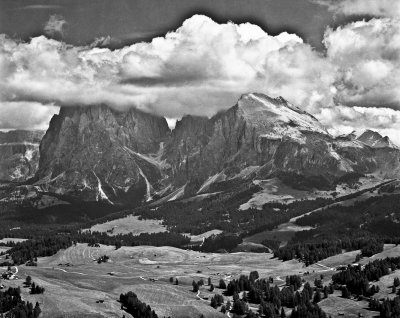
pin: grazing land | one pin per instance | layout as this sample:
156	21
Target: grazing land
75	283
130	224
11	239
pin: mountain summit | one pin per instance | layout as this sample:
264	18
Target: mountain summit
277	116
376	140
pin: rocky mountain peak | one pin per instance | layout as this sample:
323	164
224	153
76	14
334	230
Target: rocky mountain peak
97	152
376	140
276	117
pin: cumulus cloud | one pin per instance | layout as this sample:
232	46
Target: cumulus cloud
25	115
346	119
204	67
54	27
385	8
367	57
200	68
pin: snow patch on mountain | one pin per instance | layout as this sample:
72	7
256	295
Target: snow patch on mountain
155	161
177	194
101	194
215	178
148	186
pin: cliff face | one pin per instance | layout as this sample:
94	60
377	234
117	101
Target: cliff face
19	154
96	153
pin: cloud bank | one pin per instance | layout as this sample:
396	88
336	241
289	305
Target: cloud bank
384	8
204	67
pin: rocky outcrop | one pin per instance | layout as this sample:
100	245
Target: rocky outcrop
97	153
19	154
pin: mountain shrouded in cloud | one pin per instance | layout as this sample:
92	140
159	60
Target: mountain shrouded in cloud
204	67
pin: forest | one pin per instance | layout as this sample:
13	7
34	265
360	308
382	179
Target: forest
366	225
271	299
357	279
27	251
12	305
135	307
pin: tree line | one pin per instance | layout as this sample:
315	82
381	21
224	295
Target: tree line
12	305
135	307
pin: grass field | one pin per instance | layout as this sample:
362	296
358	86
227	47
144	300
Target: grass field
11	239
74	281
337	306
129	224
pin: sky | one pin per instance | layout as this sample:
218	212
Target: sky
337	59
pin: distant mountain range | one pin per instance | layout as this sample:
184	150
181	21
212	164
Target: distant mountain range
98	154
19	154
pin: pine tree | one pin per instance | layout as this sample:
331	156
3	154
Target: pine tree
28	280
325	292
345	292
37	310
213	302
317	297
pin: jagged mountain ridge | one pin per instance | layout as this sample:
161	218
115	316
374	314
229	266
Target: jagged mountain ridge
97	153
19	154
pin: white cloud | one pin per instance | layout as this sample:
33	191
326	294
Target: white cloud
367	57
343	119
200	68
203	67
55	26
25	115
386	8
